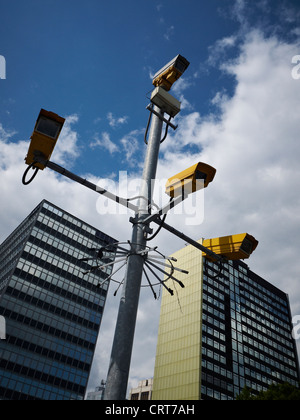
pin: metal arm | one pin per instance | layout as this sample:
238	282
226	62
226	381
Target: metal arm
123	201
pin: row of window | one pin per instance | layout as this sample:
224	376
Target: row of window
222	284
61	253
60	228
43	327
215	322
265	334
15	240
213	394
216	365
60	286
263	318
52	312
33	357
266	360
248	293
58	214
54	340
50	333
250	298
11	382
213	332
213	343
47	241
74	223
255	288
272	330
38	296
211	301
213	292
211	378
276	376
270	343
12	387
215	312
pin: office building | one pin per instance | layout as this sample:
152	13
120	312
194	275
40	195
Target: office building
143	392
227	329
52	310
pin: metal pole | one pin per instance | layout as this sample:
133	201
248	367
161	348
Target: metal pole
117	379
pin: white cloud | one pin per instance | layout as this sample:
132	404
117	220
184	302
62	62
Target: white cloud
169	33
66	149
178	89
104	142
217	52
130	143
115	122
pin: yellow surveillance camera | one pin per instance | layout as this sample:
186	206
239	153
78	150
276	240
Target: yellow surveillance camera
188	181
171	72
233	247
44	137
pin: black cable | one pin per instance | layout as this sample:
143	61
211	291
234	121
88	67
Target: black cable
166	133
162	221
26	172
147	129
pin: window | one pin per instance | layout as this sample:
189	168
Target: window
145	396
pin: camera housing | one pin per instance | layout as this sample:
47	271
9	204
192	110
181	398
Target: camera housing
233	247
171	72
187	181
44	137
166	102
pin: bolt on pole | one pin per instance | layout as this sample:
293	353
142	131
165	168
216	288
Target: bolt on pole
118	373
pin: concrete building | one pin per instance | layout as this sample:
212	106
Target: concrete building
143	391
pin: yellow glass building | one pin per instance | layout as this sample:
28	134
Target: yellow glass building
177	367
226	329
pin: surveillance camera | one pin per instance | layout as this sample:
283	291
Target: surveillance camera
44	136
186	183
233	247
171	72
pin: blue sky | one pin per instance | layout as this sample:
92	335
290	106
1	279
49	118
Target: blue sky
91	62
93	59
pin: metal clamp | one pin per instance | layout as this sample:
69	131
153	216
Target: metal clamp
150	108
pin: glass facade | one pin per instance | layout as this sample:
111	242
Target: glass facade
246	332
52	311
243	333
